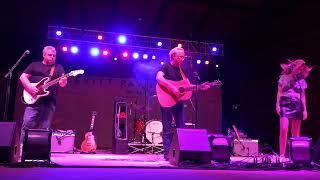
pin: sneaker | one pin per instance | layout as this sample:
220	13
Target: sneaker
283	159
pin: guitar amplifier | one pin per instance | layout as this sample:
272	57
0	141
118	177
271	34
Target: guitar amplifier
246	147
62	141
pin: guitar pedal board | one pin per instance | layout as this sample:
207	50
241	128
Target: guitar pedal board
246	147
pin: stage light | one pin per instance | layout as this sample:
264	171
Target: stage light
100	37
115	58
217	66
214	49
125	54
74	49
207	62
64	48
122	39
94	51
198	61
105	52
180	45
135	55
162	63
153	57
145	56
58	33
159	44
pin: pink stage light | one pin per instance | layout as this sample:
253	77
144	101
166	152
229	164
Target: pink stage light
105	52
64	48
125	54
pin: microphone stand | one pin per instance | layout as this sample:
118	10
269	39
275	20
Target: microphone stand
8	76
196	98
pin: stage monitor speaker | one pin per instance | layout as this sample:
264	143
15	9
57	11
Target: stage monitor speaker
221	147
120	127
300	150
8	145
190	145
316	151
36	145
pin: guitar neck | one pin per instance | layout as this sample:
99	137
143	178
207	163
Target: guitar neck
195	87
92	120
50	83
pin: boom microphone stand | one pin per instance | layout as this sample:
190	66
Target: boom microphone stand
8	76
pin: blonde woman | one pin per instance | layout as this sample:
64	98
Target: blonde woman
291	100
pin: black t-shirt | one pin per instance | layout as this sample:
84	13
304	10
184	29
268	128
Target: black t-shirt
38	71
171	72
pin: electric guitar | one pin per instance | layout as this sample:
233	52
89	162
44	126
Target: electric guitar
168	99
43	85
89	145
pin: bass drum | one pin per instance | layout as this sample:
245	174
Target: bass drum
154	131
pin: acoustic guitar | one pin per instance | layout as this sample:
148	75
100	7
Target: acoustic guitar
89	145
168	99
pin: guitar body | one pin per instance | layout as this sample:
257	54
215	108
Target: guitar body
29	99
89	144
167	98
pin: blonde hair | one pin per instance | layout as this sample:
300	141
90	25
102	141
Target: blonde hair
289	67
45	49
174	50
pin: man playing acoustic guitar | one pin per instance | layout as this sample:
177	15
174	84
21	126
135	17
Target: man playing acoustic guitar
40	114
171	78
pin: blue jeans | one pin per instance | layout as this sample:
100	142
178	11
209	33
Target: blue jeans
177	112
38	115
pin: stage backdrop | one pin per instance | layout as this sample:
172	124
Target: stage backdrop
86	94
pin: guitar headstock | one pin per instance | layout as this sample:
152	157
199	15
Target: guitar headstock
216	83
94	113
76	72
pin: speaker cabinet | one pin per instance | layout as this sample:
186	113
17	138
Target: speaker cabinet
37	145
300	150
8	146
190	145
120	127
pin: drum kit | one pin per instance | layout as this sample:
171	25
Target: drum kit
147	133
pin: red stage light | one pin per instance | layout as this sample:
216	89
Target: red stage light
105	52
64	48
125	54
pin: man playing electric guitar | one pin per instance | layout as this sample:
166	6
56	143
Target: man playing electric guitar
40	114
172	105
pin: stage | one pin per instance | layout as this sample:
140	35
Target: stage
103	164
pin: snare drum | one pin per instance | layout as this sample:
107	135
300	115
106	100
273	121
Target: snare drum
154	131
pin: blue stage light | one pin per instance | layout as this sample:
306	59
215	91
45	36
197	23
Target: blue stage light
214	49
74	49
122	39
135	55
94	51
58	33
198	61
159	44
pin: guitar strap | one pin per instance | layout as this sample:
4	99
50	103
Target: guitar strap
182	74
52	71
